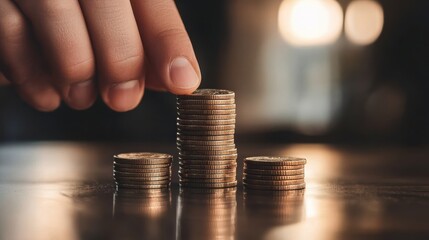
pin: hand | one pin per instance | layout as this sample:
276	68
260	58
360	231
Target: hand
73	50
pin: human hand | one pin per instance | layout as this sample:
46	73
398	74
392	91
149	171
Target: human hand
74	50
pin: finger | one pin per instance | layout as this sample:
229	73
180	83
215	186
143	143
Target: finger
60	29
167	45
152	78
21	62
118	51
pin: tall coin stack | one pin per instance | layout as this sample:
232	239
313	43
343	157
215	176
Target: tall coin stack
144	170
274	173
205	139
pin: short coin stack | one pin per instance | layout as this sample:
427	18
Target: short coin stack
144	170
274	173
205	139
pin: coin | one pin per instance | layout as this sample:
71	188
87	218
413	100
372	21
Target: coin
204	143
206	171
210	152
206	127
184	137
207	167
150	174
207	180
183	156
143	166
205	101
277	188
207	117
209	185
272	182
143	158
268	177
273	167
186	111
209	94
205	148
140	186
275	161
206	106
274	172
140	170
197	176
142	181
205	132
207	162
205	122
142	177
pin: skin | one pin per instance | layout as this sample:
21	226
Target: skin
75	50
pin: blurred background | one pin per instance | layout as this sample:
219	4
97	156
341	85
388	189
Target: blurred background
347	72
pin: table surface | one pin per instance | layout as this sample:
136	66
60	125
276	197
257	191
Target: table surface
64	190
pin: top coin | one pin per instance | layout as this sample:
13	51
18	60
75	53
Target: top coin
143	158
209	94
278	161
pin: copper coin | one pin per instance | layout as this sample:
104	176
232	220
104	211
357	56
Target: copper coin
205	132
183	122
273	167
140	170
208	152
275	161
150	174
192	156
208	167
215	94
209	185
185	111
206	162
276	188
274	172
206	127
268	177
206	171
206	180
208	176
204	143
142	181
205	101
141	186
184	137
141	166
206	148
206	106
143	158
207	117
272	182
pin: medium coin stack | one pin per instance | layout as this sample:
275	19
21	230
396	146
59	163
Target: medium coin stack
144	170
205	139
274	173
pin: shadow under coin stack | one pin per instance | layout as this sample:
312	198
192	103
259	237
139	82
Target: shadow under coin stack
274	173
205	139
143	170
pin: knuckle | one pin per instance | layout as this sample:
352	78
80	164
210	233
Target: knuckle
76	72
13	25
126	68
167	34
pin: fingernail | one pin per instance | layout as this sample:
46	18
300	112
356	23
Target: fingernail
124	96
182	74
81	95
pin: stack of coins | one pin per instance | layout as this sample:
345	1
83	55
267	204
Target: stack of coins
143	170
274	173
205	139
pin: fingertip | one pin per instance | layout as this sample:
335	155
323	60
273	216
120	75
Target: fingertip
124	96
184	79
81	95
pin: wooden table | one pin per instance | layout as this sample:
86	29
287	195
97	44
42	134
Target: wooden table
64	190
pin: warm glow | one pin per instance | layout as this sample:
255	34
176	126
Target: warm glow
364	22
310	22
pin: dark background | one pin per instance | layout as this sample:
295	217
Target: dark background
385	94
